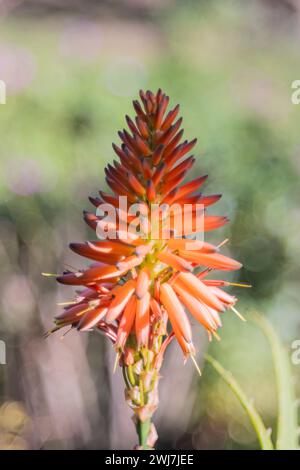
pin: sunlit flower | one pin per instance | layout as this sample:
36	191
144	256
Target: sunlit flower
141	289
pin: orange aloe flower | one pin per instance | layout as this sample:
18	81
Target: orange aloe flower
142	286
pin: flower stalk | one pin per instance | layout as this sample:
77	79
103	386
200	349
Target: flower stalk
143	430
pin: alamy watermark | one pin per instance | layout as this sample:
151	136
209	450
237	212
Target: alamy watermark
295	97
2	92
295	357
2	352
151	221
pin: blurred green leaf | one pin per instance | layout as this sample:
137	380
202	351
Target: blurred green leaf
262	433
287	410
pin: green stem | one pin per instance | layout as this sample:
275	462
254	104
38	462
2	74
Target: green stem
131	375
262	433
125	378
143	429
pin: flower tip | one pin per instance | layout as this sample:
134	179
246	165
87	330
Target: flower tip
67	277
95	201
238	265
239	284
215	334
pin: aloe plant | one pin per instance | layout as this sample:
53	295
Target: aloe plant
287	425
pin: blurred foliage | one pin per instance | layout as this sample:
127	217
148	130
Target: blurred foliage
70	82
287	416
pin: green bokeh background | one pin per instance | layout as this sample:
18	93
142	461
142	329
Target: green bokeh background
230	65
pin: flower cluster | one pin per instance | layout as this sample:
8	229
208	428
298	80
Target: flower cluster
139	291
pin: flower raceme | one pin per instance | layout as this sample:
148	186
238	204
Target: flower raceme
140	289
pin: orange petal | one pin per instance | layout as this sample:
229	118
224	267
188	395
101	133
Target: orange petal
170	133
159	172
212	260
223	296
201	221
142	324
117	174
141	145
90	219
142	283
175	261
171	146
71	314
186	189
122	296
151	193
200	291
138	110
136	185
96	201
186	244
129	263
209	200
195	307
142	127
177	315
155	307
147	170
172	183
211	222
91	318
179	152
113	200
160	113
157	154
91	252
131	125
126	322
170	118
119	189
110	246
98	273
185	165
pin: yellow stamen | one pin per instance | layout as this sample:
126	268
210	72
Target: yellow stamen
238	284
216	335
68	331
195	364
223	243
116	361
84	311
238	313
